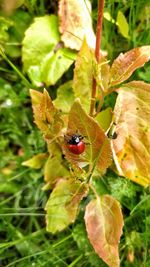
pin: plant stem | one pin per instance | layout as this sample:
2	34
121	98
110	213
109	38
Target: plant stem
97	51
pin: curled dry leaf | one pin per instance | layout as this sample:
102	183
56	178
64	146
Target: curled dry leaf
46	116
125	64
104	222
75	23
62	206
98	150
131	149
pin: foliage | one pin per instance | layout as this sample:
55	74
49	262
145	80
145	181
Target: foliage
74	180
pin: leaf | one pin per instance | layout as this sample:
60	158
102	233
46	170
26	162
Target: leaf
54	168
40	38
98	151
104	118
104	222
55	64
122	25
108	17
131	149
75	23
62	206
36	162
83	75
46	116
43	55
125	64
65	97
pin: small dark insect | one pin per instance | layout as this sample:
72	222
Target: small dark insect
75	144
112	135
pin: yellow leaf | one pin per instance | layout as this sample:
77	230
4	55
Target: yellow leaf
123	25
131	148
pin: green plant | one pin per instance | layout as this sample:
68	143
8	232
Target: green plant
71	176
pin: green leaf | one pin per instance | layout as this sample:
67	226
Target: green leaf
104	118
98	151
83	75
65	97
122	25
104	222
40	38
125	64
36	162
62	206
131	149
55	64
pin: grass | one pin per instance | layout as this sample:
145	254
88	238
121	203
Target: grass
23	238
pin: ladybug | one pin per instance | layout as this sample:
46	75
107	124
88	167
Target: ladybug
76	144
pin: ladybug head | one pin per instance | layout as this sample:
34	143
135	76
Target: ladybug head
74	139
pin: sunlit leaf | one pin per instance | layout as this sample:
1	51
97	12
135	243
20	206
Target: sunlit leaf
122	24
83	75
36	162
62	206
65	97
76	23
108	17
97	151
104	118
125	64
55	64
46	116
131	149
104	222
40	38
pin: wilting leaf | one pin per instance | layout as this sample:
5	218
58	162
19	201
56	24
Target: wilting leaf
62	206
104	118
125	64
65	97
104	222
98	151
36	162
55	64
46	116
83	75
122	24
76	23
131	149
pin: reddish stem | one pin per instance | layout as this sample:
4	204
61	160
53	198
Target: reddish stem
97	50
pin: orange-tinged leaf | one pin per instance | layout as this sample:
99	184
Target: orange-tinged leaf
37	161
104	222
125	64
131	149
98	150
62	206
83	75
46	116
76	23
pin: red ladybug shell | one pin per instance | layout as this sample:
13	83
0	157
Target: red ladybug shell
77	148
